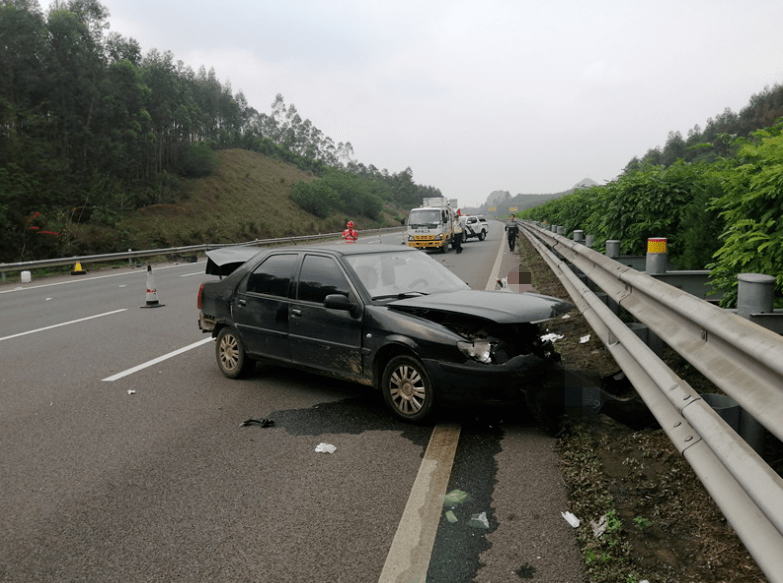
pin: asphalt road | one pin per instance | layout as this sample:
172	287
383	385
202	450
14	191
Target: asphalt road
123	456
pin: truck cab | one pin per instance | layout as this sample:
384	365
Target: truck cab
431	227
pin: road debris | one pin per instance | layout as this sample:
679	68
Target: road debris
260	422
599	527
455	497
479	520
325	448
570	519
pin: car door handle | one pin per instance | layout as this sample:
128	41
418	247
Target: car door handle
296	312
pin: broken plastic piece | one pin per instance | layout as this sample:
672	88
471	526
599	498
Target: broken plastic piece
479	520
570	519
599	527
261	422
451	517
131	392
584	339
455	497
325	448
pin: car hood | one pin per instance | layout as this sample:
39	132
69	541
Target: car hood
497	306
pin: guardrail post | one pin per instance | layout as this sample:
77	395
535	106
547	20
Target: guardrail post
589	240
755	294
656	256
613	248
579	237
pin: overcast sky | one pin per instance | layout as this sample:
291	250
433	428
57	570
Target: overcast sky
518	95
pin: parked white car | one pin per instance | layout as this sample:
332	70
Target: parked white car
474	226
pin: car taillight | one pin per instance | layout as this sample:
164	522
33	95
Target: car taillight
200	291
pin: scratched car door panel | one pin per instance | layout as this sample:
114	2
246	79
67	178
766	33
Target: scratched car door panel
261	307
322	338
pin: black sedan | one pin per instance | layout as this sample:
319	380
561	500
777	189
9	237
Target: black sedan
385	316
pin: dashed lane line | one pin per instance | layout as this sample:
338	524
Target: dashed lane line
61	324
155	361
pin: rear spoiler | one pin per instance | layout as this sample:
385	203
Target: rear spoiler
225	260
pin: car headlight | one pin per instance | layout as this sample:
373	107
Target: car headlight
479	350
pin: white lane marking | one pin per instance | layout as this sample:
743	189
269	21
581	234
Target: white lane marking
492	283
409	557
155	361
62	324
196	273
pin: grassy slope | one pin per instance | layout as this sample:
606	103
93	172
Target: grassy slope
246	198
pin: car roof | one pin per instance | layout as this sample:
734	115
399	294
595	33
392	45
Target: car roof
353	249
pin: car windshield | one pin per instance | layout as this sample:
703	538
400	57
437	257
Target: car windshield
424	217
398	275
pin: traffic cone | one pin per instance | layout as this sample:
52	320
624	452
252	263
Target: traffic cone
152	293
77	270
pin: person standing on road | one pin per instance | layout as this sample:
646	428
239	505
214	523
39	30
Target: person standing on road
457	241
350	234
512	232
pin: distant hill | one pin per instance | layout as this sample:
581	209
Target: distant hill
502	202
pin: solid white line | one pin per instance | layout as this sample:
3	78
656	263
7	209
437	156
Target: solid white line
62	324
155	361
409	557
493	279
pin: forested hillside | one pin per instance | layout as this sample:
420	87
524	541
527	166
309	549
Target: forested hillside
92	130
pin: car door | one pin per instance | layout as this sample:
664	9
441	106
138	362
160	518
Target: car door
319	337
261	306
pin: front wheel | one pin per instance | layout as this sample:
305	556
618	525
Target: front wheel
407	388
230	353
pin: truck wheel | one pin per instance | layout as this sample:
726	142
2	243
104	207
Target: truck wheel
482	235
407	388
230	353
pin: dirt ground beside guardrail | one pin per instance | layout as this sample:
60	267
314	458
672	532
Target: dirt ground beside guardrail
659	524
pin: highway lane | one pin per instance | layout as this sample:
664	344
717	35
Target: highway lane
150	477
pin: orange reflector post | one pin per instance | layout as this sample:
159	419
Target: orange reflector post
656	245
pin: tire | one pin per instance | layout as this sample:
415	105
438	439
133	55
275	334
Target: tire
482	235
230	354
407	389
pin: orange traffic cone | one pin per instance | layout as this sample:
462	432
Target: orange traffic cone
152	293
77	270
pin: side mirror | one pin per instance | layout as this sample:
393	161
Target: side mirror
338	302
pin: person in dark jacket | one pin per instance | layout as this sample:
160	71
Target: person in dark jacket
512	232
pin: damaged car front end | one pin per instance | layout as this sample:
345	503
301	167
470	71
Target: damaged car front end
404	323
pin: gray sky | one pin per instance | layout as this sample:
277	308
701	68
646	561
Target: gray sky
518	95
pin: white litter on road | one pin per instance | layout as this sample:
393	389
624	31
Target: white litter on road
325	448
570	519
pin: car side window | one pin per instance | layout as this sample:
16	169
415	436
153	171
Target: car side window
320	276
273	276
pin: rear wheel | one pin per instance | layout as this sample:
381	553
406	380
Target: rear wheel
230	354
407	388
482	235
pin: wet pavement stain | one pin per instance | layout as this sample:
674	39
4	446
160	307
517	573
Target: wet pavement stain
348	416
460	542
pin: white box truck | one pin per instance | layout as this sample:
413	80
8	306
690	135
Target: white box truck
431	226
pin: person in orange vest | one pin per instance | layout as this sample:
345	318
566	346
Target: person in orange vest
349	234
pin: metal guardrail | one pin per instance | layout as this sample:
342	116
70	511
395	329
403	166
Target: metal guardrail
738	356
108	257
